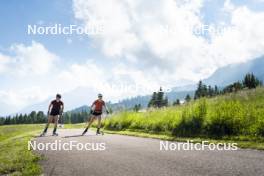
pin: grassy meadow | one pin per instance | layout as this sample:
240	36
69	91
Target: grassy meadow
238	116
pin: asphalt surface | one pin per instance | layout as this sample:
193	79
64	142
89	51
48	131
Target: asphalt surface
134	156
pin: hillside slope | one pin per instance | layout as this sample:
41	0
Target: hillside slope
234	114
234	72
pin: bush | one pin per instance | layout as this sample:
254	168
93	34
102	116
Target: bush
260	129
226	119
191	123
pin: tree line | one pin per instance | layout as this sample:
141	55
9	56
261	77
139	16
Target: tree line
39	117
250	81
33	117
158	99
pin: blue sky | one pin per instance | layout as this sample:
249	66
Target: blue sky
131	51
16	15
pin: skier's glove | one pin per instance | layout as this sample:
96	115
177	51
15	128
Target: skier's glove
61	113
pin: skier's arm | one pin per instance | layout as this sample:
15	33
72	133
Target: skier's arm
106	109
92	107
62	108
50	106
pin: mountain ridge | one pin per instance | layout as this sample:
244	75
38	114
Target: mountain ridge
221	77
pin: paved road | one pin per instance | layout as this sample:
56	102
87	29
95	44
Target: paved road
125	156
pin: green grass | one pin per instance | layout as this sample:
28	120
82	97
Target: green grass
73	126
237	116
15	158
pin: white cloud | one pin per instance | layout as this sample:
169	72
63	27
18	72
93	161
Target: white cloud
34	59
78	75
12	100
133	33
244	39
24	69
27	60
4	60
24	96
133	29
116	82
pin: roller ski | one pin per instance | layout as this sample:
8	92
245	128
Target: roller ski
84	132
55	134
98	132
42	134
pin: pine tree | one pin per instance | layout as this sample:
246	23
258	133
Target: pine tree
188	98
137	107
210	91
251	82
177	102
216	91
32	117
201	91
153	100
237	86
165	101
157	100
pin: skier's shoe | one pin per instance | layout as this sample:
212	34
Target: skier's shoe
98	132
42	134
55	134
85	131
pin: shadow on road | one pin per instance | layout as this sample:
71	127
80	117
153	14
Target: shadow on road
79	135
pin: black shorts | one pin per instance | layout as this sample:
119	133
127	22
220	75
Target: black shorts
54	113
96	113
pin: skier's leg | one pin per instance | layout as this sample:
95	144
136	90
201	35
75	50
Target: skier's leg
56	118
99	124
92	117
47	125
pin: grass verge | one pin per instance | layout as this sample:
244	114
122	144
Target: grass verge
15	158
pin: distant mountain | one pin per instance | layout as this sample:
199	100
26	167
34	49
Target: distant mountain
221	77
144	100
235	72
83	108
76	98
129	103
